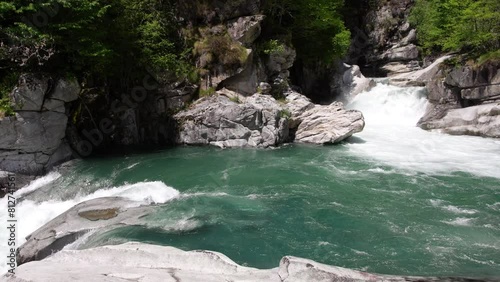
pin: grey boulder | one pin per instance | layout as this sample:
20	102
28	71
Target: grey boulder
228	119
322	124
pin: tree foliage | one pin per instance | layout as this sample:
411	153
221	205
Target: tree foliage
458	25
315	27
91	36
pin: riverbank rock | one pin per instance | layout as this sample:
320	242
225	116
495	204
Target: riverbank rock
228	119
322	124
464	101
328	124
482	120
32	141
419	77
142	262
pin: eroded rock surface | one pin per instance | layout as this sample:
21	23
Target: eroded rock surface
33	140
464	101
482	120
354	82
322	124
228	119
76	222
142	262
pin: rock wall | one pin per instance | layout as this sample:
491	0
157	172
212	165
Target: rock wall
384	43
465	100
33	140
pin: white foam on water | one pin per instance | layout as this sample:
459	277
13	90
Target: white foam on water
391	136
436	203
360	252
205	194
32	215
452	208
184	224
37	183
132	166
458	210
460	221
495	206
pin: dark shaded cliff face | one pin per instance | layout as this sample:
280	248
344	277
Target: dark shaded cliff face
212	12
314	81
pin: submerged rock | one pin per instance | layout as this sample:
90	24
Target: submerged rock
70	226
143	262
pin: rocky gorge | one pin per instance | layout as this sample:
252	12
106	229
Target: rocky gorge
250	94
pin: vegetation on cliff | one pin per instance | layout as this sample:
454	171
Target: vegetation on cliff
110	44
90	37
458	25
103	37
315	28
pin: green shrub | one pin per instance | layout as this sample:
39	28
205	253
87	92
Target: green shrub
235	99
221	49
273	46
207	92
316	27
285	113
493	56
94	38
7	84
5	108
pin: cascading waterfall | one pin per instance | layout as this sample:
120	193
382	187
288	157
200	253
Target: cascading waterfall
392	137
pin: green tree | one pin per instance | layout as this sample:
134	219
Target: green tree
92	36
315	27
458	25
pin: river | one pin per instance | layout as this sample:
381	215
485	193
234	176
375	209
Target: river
394	199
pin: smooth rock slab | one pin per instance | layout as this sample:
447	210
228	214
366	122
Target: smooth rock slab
31	132
142	262
329	124
68	227
319	124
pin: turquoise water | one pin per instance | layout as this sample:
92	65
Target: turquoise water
394	199
256	206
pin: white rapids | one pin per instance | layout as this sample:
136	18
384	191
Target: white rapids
391	136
